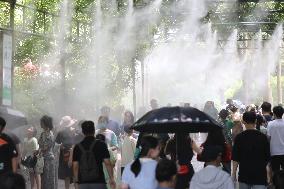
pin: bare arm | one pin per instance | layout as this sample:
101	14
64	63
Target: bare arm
14	164
124	186
195	148
269	174
19	154
71	156
109	168
235	167
76	172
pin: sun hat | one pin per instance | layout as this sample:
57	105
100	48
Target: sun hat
67	121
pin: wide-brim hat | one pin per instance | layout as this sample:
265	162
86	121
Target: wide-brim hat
31	129
67	121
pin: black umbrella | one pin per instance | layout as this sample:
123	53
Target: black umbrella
176	120
179	120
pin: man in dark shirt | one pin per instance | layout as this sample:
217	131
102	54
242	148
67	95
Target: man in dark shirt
251	152
266	111
16	140
101	154
8	152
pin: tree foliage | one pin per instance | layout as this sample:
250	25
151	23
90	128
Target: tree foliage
36	25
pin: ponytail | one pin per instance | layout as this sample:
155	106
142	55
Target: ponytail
136	167
147	143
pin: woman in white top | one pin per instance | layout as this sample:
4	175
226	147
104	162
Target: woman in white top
128	147
141	173
30	147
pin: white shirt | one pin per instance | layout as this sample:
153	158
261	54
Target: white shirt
111	138
275	130
146	178
127	150
30	146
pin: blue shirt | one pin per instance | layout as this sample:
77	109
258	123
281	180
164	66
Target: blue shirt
146	177
114	126
163	188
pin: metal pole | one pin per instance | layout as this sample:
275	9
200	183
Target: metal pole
12	27
12	22
279	86
143	82
134	87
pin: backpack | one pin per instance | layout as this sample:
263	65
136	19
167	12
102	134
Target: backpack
88	166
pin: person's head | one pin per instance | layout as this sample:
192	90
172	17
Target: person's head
166	172
128	117
31	132
215	137
150	148
266	107
46	123
223	114
249	118
278	179
88	128
154	104
12	181
229	101
278	112
127	130
105	111
102	122
209	104
251	108
212	154
232	108
186	105
2	124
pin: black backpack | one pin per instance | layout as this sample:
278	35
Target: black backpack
88	166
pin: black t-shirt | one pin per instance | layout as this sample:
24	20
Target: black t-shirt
267	118
66	138
100	151
251	150
7	153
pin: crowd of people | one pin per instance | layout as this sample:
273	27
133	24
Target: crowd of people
45	157
247	153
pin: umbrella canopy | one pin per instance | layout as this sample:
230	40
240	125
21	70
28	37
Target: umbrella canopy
176	120
13	118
